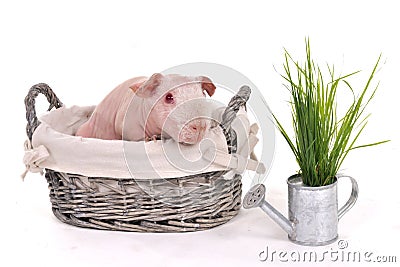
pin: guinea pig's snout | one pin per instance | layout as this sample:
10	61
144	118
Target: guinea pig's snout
198	125
194	131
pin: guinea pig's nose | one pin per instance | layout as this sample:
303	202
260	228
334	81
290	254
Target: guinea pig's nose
198	125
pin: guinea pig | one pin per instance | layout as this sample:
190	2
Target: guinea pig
143	108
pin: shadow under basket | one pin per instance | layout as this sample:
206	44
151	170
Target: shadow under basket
183	204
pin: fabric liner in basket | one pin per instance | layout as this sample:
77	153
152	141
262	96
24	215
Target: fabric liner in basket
134	186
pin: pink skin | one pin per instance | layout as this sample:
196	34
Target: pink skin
142	108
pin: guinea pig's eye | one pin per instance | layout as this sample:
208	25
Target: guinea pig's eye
169	98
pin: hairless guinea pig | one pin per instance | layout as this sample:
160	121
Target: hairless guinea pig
143	108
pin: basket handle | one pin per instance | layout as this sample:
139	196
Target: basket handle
31	117
237	101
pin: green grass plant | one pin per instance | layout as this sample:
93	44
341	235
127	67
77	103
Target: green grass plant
322	140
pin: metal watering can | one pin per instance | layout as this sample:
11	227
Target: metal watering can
313	211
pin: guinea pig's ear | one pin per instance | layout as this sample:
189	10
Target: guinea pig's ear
207	85
148	88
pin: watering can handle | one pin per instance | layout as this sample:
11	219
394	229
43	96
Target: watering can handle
353	196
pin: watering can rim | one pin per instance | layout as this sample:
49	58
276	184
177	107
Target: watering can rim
295	181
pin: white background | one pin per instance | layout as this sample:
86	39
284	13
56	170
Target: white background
84	48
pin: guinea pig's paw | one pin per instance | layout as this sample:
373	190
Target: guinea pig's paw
152	138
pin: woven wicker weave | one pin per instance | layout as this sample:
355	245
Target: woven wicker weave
182	204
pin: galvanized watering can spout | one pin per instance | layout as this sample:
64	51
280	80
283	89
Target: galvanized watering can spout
256	198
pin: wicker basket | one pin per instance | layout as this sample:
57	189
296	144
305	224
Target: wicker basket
202	201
